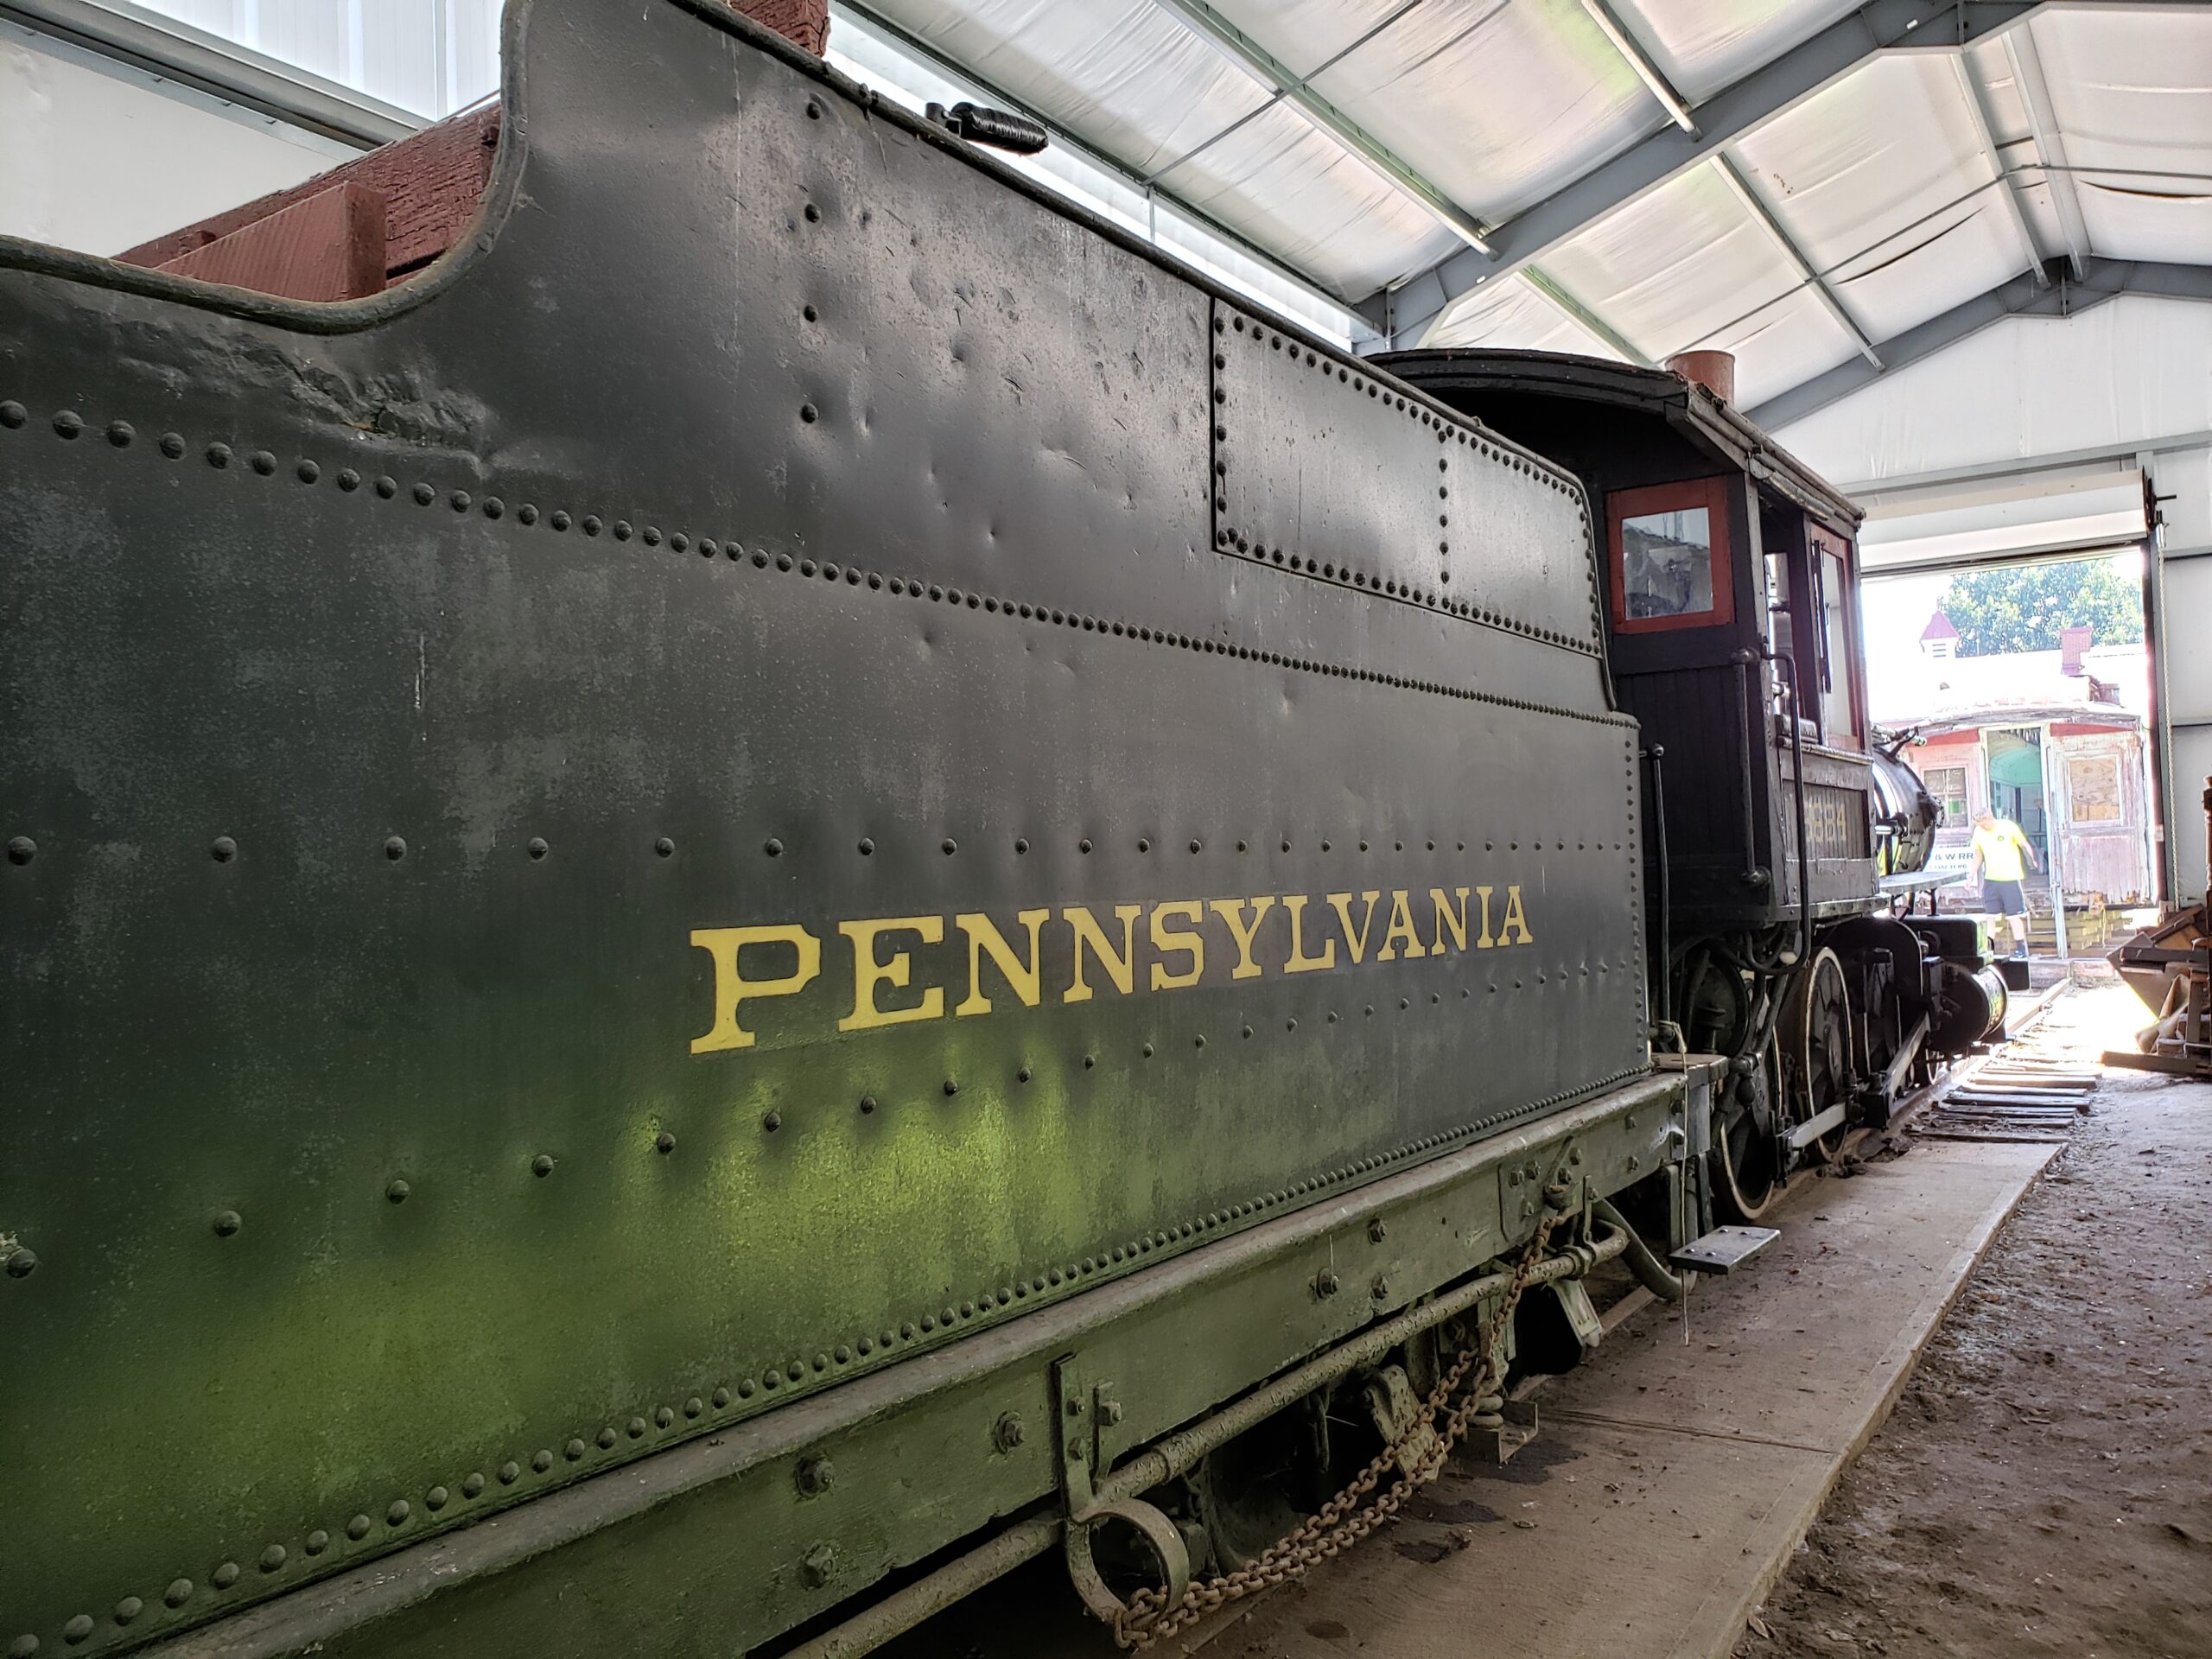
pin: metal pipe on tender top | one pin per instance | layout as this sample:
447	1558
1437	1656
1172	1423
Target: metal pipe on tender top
1164	1459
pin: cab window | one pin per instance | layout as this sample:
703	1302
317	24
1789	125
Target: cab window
1838	655
1670	556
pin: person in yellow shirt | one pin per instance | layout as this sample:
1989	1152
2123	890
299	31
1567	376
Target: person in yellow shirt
1998	846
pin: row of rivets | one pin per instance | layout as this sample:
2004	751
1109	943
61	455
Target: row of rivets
219	455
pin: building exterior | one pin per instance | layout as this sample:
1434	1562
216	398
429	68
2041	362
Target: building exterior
2056	740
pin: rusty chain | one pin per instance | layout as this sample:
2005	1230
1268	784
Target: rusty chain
1420	1451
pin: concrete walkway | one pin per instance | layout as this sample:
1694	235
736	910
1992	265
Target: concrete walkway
1674	1477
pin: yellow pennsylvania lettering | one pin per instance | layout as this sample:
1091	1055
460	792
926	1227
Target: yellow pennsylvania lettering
1231	911
1355	943
723	946
1516	921
1181	940
1449	921
1401	927
868	973
1190	943
1299	963
1120	969
1026	980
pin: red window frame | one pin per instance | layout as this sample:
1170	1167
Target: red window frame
1712	494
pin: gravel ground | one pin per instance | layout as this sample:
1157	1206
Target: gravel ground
2044	1485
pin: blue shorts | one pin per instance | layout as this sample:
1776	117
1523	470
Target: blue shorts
2004	899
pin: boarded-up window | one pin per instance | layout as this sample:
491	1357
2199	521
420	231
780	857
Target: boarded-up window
2093	784
1949	785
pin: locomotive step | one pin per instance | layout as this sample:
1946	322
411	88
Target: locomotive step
1724	1248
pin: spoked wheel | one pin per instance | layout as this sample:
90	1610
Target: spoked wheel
1743	1156
1815	1043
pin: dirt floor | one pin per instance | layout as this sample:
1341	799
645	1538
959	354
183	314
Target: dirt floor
2044	1485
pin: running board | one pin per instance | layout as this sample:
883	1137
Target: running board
1724	1249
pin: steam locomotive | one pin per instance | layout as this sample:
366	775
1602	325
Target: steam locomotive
804	878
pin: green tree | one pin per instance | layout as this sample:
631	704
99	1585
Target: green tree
2022	608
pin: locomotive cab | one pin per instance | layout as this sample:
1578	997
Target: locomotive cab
1731	592
1781	834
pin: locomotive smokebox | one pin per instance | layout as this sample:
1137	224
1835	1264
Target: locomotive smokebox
1714	370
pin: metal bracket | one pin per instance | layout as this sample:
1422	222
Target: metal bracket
1084	1411
1499	1444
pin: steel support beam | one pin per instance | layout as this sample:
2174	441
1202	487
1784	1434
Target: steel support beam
1624	42
209	64
1203	21
1297	90
1404	312
1977	96
2017	296
2050	148
1725	165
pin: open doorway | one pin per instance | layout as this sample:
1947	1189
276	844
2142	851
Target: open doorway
2025	689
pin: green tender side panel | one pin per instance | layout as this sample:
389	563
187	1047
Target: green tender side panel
529	798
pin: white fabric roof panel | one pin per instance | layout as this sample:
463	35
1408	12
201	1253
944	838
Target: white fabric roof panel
1512	315
2128	88
1497	102
1701	46
1881	179
1875	178
1134	83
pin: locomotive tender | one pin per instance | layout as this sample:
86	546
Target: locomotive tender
802	876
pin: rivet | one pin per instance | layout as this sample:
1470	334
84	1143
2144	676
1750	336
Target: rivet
509	1473
526	513
814	1475
13	414
22	850
808	412
951	1086
813	110
772	846
541	1460
949	846
398	1191
542	1166
694	1406
128	1609
537	849
272	1558
77	1628
222	850
721	1397
1023	1075
1199	1041
1089	1061
1084	845
68	423
573	1450
119	433
227	1222
471	1486
179	1593
225	1575
773	1122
